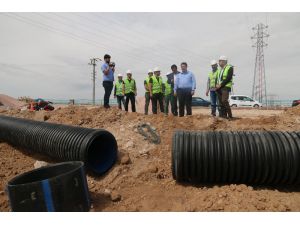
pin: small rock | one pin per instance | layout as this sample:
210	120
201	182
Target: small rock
129	144
144	152
135	130
115	196
107	192
250	188
1	192
39	164
122	129
125	159
2	175
153	169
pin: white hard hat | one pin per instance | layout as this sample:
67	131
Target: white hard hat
213	62
156	69
128	72
120	75
223	57
150	71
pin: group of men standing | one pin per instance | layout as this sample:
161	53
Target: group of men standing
176	89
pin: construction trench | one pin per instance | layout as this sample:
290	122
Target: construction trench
142	178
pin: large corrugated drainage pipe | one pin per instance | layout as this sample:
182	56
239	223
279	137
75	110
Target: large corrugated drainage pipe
251	157
57	188
97	148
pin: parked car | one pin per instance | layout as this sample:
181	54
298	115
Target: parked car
197	101
243	101
296	102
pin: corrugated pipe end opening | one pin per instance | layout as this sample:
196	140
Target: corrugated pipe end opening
102	152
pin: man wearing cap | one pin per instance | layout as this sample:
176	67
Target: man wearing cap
224	85
147	93
118	93
171	79
129	89
156	93
108	79
184	88
211	86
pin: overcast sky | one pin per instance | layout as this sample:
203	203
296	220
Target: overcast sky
47	54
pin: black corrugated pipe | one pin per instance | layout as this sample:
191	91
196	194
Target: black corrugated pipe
96	148
251	157
59	187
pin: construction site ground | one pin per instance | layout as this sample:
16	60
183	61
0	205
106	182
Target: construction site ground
141	180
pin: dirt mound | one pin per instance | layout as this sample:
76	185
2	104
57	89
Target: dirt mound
10	102
142	179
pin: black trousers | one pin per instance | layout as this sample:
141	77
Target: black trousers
185	101
223	95
157	98
108	86
121	101
147	102
174	105
130	96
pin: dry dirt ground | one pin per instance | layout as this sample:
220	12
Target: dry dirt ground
141	180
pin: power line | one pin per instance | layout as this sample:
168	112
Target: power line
259	88
93	63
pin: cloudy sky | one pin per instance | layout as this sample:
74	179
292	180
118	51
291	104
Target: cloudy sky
47	54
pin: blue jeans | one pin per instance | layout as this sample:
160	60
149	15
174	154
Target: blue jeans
213	100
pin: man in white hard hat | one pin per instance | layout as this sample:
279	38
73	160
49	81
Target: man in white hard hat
211	86
147	93
224	85
129	89
156	93
118	93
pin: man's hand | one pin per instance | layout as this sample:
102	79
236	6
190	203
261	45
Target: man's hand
218	86
206	93
192	93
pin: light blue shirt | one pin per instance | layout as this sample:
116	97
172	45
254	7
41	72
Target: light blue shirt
185	80
110	76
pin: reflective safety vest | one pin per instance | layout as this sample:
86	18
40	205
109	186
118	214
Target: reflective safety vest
129	86
147	82
168	88
213	76
156	85
224	76
119	88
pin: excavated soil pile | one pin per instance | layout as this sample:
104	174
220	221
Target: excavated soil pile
10	102
141	180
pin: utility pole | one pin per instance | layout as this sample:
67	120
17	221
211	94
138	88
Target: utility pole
259	88
93	63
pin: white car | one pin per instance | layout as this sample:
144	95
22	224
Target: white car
243	101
